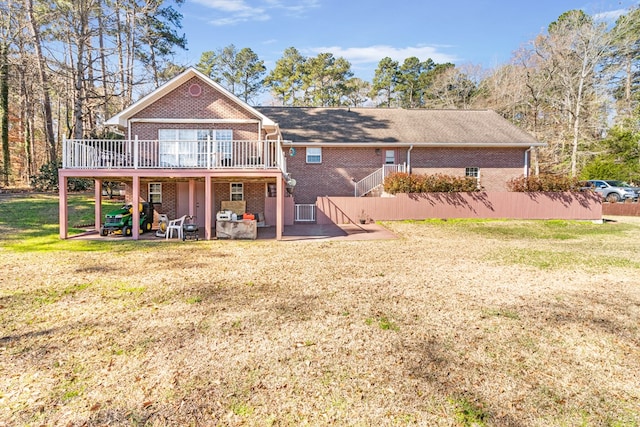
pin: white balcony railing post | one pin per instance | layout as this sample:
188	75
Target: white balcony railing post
136	152
208	151
64	154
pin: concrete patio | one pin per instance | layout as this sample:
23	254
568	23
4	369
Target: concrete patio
297	232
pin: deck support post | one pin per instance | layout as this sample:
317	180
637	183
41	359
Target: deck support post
279	206
135	203
62	206
97	191
207	207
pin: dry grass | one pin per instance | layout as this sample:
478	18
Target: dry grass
453	324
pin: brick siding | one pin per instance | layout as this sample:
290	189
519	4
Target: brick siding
342	167
180	104
254	194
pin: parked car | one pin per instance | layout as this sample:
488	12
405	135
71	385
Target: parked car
611	190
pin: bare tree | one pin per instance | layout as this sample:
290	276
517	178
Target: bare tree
572	51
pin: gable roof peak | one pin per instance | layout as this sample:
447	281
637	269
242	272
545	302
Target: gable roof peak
122	117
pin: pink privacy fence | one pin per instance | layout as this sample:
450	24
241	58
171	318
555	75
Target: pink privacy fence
624	209
506	205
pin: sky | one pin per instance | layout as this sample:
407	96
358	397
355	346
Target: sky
463	32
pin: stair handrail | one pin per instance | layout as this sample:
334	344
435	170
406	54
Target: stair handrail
369	182
376	178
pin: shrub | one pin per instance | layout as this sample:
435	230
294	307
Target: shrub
402	182
399	182
544	182
47	179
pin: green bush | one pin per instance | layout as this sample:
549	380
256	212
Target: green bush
402	182
544	182
47	179
606	168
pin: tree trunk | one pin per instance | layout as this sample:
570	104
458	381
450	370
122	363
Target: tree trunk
103	64
128	98
26	118
4	112
121	50
82	38
44	81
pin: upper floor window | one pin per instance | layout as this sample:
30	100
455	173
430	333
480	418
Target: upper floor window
314	155
390	157
189	147
224	139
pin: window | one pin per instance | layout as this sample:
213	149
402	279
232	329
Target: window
390	157
155	192
237	191
224	145
474	173
314	155
188	147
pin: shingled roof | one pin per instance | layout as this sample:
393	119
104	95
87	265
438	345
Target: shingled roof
396	126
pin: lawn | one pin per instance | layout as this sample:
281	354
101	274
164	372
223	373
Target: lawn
455	323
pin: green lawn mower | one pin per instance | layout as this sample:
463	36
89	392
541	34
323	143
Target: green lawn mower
120	221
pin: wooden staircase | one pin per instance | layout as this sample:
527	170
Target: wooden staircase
371	185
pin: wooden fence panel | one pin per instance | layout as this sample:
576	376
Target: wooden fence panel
499	205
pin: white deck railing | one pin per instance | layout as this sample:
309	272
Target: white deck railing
155	154
376	178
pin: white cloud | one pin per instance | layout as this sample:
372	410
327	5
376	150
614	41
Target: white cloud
609	16
225	5
237	11
373	54
293	7
253	16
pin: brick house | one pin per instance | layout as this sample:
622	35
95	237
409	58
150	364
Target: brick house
348	145
191	145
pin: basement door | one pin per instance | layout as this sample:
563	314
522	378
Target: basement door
182	190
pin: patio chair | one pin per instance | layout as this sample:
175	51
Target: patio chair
175	224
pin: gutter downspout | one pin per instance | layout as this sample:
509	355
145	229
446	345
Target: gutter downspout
266	138
279	182
409	159
526	162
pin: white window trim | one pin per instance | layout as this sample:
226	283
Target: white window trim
475	172
159	193
231	192
319	155
386	157
476	175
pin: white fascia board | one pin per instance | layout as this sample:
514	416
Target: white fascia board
416	144
194	121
